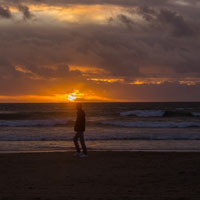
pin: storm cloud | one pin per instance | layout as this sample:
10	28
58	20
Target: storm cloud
134	40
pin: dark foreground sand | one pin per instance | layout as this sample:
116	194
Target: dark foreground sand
104	175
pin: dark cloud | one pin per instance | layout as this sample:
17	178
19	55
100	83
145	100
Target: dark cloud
179	25
126	20
5	12
147	12
168	20
150	93
148	39
99	2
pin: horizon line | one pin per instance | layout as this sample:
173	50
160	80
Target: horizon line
100	102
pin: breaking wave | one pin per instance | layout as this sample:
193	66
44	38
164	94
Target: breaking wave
31	123
142	124
196	114
26	115
144	113
159	113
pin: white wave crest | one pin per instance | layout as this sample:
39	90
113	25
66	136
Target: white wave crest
153	124
196	114
27	123
184	108
144	113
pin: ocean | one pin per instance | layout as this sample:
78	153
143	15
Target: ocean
110	126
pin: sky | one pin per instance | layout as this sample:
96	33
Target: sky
99	50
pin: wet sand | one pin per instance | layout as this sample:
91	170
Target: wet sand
104	175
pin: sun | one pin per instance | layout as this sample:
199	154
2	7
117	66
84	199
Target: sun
71	97
74	96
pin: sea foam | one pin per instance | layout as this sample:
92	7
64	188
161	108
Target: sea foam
27	123
144	113
142	124
196	114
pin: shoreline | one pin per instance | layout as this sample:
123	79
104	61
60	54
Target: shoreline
127	146
104	150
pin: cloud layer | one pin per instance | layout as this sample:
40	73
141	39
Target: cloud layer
150	46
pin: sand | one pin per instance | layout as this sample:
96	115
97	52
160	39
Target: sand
104	175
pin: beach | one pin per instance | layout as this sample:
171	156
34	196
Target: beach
103	175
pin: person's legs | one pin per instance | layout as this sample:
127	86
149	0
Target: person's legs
82	140
75	139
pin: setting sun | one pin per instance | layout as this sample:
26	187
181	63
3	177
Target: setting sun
71	97
74	96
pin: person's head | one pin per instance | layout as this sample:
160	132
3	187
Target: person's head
78	106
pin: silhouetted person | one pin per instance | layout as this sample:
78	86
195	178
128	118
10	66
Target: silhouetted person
79	128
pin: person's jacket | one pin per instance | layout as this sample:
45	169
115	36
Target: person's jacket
80	121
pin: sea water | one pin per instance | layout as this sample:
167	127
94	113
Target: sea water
110	126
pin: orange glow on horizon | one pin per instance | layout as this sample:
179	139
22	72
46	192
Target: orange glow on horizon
57	98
